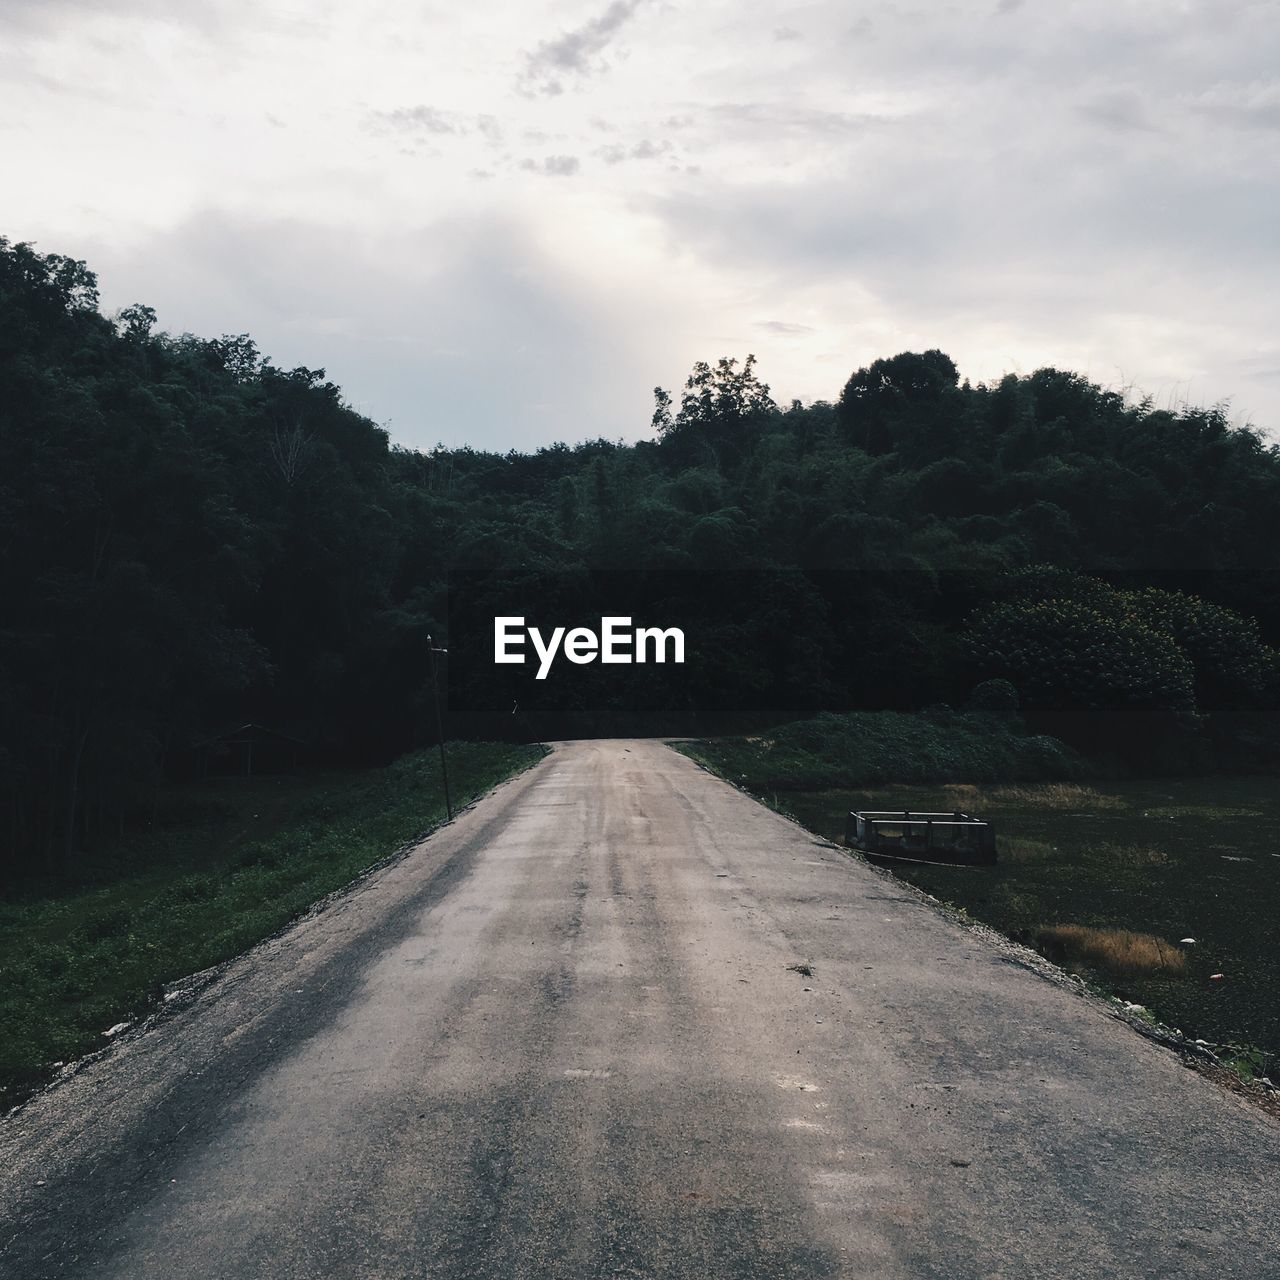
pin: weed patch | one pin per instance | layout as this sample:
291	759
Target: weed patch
1024	849
1067	796
1127	855
1118	953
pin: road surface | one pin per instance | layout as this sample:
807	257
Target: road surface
565	1037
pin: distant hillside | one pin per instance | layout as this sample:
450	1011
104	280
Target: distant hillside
194	538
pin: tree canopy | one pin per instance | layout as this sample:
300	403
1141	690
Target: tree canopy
194	537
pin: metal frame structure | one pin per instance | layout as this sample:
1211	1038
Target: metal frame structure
916	836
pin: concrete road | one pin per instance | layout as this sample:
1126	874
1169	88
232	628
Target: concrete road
564	1038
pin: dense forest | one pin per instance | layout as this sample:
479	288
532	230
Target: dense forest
192	538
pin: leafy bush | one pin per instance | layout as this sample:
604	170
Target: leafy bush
1230	666
1065	655
1231	663
995	698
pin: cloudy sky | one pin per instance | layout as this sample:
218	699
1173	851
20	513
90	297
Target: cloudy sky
502	223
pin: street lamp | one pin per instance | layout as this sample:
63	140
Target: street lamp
435	693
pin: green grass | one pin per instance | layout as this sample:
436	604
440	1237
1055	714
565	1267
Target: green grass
874	746
227	863
1171	858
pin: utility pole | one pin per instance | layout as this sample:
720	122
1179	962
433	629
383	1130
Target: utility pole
435	693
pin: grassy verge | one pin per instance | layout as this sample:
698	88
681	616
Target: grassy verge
227	863
881	746
1105	878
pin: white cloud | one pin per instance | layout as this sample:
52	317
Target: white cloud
576	54
645	149
1250	106
586	197
785	327
553	166
1118	109
419	119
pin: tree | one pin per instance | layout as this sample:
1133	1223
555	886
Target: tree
191	535
721	410
884	399
136	322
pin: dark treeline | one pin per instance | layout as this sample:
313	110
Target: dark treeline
194	539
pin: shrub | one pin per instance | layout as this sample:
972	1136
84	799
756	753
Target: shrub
1159	680
1232	665
995	698
1067	656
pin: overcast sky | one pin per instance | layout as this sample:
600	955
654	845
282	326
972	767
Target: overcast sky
501	223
